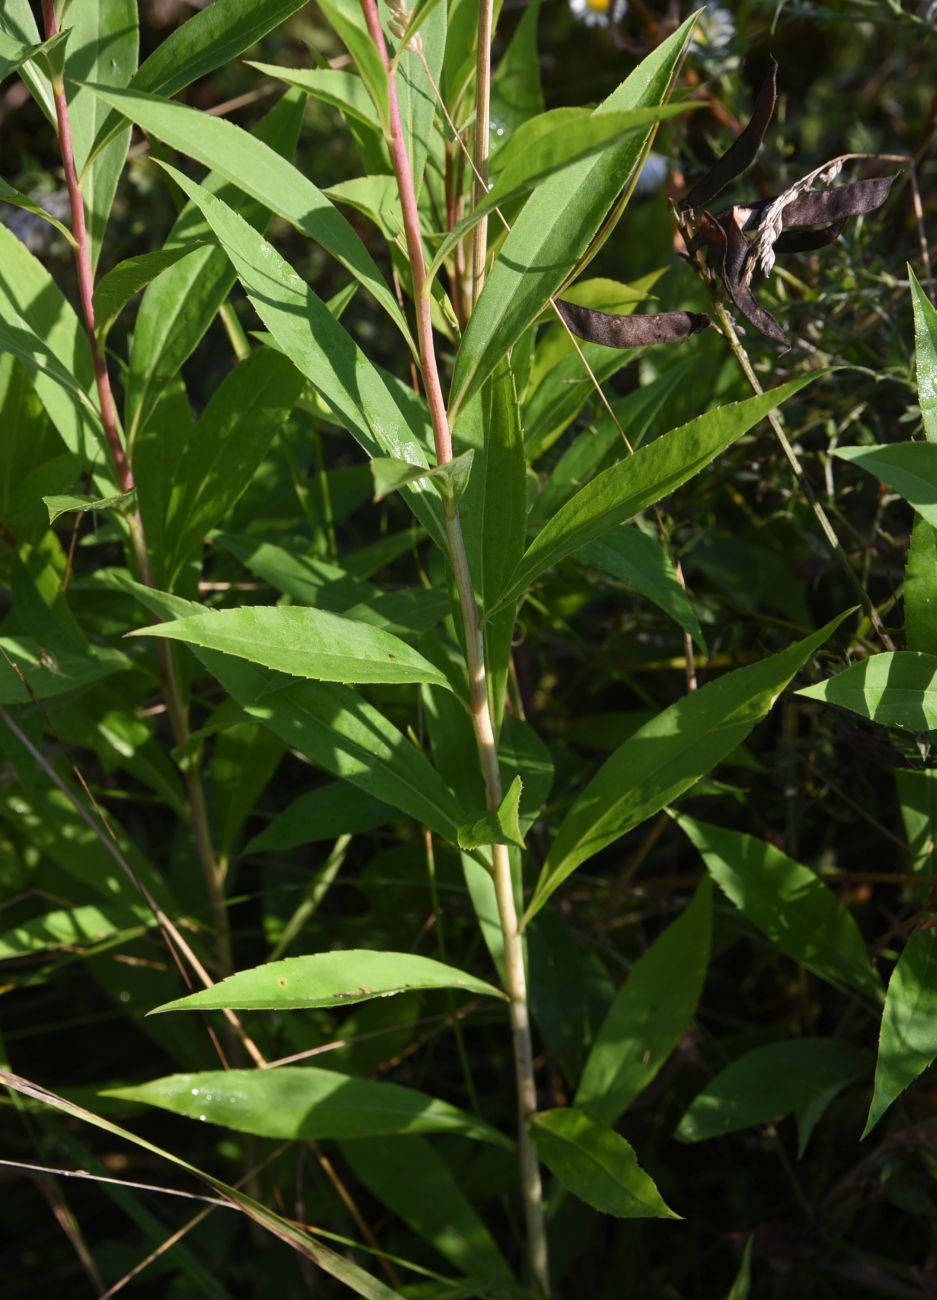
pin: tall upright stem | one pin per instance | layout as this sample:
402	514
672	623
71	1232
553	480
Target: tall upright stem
175	705
515	976
482	143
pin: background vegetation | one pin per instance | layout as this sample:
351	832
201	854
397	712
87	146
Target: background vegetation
778	1195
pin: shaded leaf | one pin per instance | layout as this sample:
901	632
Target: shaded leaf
909	468
908	1039
769	1082
323	814
114	290
596	1164
789	903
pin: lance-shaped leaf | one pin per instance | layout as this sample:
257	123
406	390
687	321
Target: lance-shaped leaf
547	145
770	1082
742	152
632	485
114	290
260	172
925	353
319	347
667	756
355	1278
909	468
304	643
63	505
908	1039
500	826
556	227
596	1164
10	195
302	1102
329	979
644	566
342	90
896	689
649	1014
325	813
787	902
615	331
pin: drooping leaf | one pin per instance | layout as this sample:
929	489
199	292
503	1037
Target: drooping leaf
596	1164
633	484
667	756
500	826
551	233
245	161
769	1082
9	194
896	688
908	1039
319	347
329	979
908	468
408	1176
343	90
787	902
649	1015
925	354
302	1102
114	290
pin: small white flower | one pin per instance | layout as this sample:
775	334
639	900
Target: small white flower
714	31
599	13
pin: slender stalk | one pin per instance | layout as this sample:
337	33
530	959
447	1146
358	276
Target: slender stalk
774	419
175	705
482	142
515	976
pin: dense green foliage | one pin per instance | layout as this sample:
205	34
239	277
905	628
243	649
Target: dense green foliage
350	715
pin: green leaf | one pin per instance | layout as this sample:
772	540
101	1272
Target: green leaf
51	671
355	1278
908	468
500	826
103	47
20	46
895	689
787	902
547	146
450	479
330	724
13	196
649	1015
114	290
768	1083
908	1039
347	19
342	90
596	1164
322	814
262	173
633	484
304	1103
667	756
552	233
644	566
244	413
415	1183
180	304
329	979
925	351
920	589
318	346
304	643
74	927
516	92
418	16
570	990
63	505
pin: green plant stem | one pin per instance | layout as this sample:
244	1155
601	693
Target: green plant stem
482	142
175	706
774	419
515	975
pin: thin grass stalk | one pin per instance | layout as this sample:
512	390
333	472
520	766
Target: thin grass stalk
515	975
175	705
